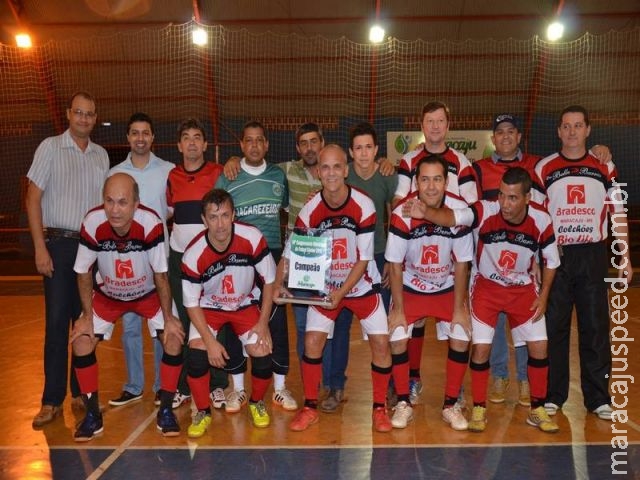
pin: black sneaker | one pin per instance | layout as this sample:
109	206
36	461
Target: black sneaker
125	398
167	423
90	427
156	399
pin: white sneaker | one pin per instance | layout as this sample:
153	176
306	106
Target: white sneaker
235	401
454	417
402	415
284	399
551	408
180	399
603	412
218	400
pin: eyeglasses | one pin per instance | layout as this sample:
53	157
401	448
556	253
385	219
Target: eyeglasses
82	114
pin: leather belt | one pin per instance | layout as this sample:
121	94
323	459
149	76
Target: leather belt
62	233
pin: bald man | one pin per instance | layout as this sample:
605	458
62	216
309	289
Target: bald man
125	241
354	284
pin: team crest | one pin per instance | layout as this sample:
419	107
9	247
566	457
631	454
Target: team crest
507	261
576	194
339	249
124	269
227	285
430	255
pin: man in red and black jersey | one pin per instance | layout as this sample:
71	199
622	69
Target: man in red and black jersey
125	241
581	193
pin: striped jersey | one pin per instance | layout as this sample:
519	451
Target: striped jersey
125	264
460	174
352	226
505	252
488	173
227	280
579	196
184	198
427	251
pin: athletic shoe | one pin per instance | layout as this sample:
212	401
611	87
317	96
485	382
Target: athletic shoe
218	399
180	399
156	399
167	423
551	408
284	399
47	414
524	397
90	427
125	398
478	420
235	401
454	417
402	415
380	420
259	414
199	424
415	390
499	390
604	412
538	417
304	419
392	396
331	403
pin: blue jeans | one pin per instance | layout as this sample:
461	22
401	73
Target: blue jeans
335	355
385	292
500	353
133	355
62	307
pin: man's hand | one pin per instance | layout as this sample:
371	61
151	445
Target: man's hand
82	326
232	168
462	318
539	306
44	263
602	153
261	329
385	276
217	354
413	208
385	167
397	319
172	328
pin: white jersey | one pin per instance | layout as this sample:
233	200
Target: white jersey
427	251
227	280
125	264
352	225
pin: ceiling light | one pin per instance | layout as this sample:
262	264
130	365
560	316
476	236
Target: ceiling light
199	37
376	34
555	31
23	40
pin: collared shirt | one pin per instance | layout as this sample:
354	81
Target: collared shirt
152	181
71	180
301	182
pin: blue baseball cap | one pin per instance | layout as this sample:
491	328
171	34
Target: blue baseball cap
506	117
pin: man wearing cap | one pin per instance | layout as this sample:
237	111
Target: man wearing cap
488	172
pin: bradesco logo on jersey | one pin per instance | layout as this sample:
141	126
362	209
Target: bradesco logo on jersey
430	255
507	261
227	285
124	269
576	194
340	251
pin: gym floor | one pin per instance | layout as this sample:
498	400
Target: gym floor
341	445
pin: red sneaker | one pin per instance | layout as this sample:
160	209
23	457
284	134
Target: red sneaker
381	421
304	418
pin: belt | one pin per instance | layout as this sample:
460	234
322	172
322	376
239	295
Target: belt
62	233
